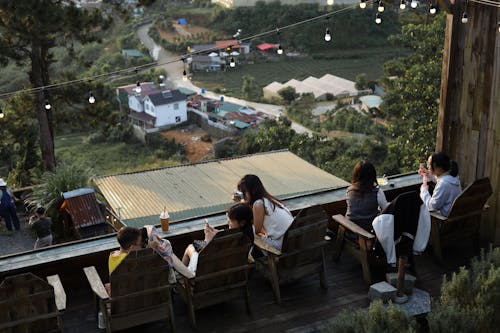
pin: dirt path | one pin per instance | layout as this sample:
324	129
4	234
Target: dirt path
190	138
16	241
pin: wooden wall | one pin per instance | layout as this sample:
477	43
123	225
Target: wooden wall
469	124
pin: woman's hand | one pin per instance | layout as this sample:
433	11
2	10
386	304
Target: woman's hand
210	232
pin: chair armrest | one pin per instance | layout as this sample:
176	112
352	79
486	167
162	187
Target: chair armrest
351	226
264	246
181	268
95	282
59	293
437	216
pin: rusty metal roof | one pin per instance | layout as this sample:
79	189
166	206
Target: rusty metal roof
200	189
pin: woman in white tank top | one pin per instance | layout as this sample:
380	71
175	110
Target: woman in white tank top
271	218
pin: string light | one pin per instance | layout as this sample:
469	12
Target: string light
432	9
362	4
138	88
402	5
329	2
378	18
280	49
161	80
184	74
380	7
465	19
232	63
328	36
414	4
47	102
91	98
1	113
498	26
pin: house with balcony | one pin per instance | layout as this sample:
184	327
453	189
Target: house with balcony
165	108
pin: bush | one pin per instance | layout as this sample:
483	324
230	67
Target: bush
164	148
376	318
468	301
65	178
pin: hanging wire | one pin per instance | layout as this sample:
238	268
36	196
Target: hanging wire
487	3
125	72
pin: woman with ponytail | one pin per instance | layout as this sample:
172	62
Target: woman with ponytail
444	172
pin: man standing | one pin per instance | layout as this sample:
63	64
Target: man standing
8	207
41	224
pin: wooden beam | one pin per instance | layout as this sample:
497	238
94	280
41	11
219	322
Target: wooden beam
446	5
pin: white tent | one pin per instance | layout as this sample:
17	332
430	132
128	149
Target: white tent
213	54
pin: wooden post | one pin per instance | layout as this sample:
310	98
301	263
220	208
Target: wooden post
468	124
400	294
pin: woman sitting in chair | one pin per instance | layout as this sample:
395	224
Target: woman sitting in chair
364	198
271	218
445	172
238	216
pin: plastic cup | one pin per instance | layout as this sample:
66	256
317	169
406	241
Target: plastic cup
164	221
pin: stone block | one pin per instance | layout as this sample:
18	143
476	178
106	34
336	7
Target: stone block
392	278
382	290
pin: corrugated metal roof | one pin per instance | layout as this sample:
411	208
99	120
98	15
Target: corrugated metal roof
205	188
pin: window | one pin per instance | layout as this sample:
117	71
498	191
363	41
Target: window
177	119
176	106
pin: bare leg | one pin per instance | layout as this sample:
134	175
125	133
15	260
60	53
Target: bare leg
188	253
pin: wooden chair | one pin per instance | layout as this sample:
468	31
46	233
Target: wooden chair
464	219
360	243
140	291
221	274
302	252
30	304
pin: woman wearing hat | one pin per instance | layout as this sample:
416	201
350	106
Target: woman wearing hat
8	207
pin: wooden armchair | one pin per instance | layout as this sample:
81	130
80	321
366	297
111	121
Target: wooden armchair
302	252
464	219
360	243
221	275
30	304
140	291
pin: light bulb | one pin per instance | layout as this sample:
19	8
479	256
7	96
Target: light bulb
161	80
465	19
138	88
402	5
362	4
91	98
47	105
184	74
232	63
413	4
380	7
432	9
498	26
280	49
329	2
1	114
378	18
328	36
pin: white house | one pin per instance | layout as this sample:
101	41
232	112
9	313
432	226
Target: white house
168	107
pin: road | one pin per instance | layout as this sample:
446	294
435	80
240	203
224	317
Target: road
174	75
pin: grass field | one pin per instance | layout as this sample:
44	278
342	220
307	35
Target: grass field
347	64
106	158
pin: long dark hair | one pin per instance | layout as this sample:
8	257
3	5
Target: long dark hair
442	161
244	215
252	185
364	176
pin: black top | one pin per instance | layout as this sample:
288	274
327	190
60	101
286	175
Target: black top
42	227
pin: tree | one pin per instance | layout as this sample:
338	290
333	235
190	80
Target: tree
413	92
249	89
361	81
288	94
29	30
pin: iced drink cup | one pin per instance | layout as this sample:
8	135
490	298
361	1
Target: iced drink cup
164	221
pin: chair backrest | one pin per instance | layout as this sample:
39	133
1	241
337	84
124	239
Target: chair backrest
27	304
472	199
225	258
405	208
305	237
140	281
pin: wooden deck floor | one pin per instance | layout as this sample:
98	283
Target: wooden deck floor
304	303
